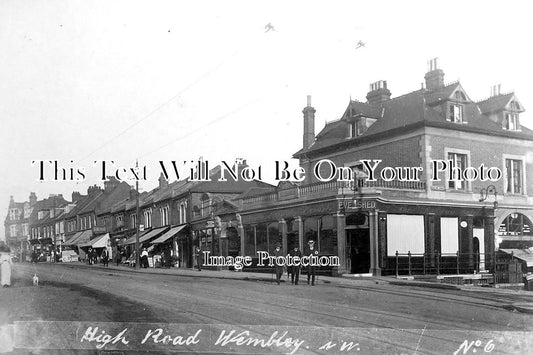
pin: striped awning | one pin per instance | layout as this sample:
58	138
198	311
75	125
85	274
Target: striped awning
71	240
169	234
152	234
98	242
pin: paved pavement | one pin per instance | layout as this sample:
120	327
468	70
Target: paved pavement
524	298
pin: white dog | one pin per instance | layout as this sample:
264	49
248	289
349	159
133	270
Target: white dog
35	280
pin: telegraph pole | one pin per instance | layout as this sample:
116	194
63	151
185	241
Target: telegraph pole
137	256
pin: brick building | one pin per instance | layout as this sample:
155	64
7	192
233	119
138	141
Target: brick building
440	222
17	227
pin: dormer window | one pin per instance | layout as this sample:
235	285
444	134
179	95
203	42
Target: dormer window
359	126
511	121
455	113
353	129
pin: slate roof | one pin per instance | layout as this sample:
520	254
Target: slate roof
408	112
495	103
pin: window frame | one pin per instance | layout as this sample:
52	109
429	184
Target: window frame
451	113
522	159
467	184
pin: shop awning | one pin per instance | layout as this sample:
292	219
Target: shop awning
72	239
130	240
152	234
172	232
45	241
84	237
98	242
522	254
33	241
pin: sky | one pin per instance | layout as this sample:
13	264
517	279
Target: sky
177	80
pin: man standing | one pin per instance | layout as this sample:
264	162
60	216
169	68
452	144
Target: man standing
199	258
278	266
105	257
144	258
294	269
168	257
311	252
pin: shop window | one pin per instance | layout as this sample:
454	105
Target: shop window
311	230
327	243
449	235
261	237
273	236
249	240
405	233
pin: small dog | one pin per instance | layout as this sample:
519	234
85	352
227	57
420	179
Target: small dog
35	280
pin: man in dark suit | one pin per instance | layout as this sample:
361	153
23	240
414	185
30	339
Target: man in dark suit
311	250
295	269
278	266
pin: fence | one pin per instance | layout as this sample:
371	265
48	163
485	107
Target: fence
442	263
504	267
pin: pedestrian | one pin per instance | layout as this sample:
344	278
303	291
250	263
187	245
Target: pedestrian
312	253
6	265
199	258
105	257
167	257
90	255
294	268
278	266
144	258
118	254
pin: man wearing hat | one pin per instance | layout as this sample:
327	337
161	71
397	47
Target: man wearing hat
278	266
295	268
311	250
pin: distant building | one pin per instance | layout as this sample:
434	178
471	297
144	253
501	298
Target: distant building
16	224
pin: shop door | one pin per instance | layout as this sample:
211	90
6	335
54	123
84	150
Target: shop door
358	248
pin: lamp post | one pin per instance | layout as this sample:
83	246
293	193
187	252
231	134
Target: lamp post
484	194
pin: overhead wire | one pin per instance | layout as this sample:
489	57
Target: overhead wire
162	105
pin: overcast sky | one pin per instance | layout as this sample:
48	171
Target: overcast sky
176	80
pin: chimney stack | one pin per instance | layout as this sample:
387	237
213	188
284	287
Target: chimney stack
435	76
163	183
309	124
33	199
75	196
495	90
378	93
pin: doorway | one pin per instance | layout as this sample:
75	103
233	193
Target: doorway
358	250
292	241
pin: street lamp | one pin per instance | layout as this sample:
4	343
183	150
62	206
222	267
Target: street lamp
484	194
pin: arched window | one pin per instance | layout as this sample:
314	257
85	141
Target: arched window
516	224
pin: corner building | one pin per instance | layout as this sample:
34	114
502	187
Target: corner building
446	226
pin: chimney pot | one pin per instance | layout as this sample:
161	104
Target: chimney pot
435	76
378	92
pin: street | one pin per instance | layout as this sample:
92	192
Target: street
447	317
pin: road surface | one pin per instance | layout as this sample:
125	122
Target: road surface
379	316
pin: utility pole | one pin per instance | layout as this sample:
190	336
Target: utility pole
137	256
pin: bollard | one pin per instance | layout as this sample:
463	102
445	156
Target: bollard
457	264
438	263
397	264
409	257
